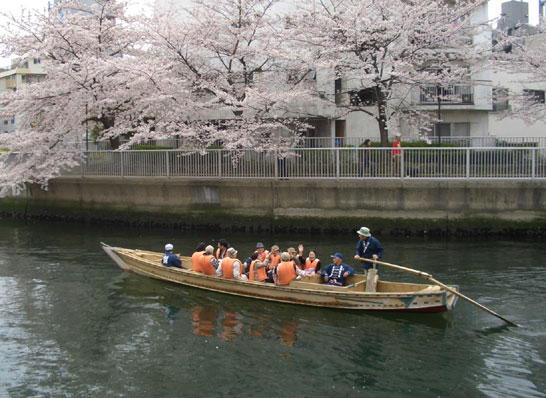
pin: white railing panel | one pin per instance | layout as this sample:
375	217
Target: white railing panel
355	163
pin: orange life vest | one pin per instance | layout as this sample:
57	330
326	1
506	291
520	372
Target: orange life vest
195	261
309	264
262	276
227	267
206	266
286	272
275	260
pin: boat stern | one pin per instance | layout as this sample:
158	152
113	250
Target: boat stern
451	298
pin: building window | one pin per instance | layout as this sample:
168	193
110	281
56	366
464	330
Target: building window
366	97
536	96
36	61
500	100
450	130
6	121
337	85
13	120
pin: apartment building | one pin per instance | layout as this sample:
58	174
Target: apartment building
22	71
515	20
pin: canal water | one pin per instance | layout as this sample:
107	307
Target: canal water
73	325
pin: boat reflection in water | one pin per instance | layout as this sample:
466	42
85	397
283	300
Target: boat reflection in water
204	320
210	321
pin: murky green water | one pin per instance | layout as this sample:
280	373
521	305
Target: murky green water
73	325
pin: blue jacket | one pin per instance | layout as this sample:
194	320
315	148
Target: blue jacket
335	274
170	260
367	248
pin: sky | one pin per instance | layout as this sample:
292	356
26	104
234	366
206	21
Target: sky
14	6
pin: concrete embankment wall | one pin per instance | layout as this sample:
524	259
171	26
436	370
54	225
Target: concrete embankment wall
459	207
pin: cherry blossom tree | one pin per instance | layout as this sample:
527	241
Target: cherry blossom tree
210	72
231	56
390	48
88	53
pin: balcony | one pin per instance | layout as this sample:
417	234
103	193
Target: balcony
452	94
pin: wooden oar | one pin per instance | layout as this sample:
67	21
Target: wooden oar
445	287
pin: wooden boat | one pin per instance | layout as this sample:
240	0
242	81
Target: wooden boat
388	296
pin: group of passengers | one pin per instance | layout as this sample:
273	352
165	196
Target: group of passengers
273	266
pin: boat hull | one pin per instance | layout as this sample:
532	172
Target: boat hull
402	297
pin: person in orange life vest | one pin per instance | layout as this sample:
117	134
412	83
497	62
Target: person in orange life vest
222	249
230	267
286	271
207	261
170	259
257	270
335	273
297	257
312	263
199	251
274	257
261	253
272	260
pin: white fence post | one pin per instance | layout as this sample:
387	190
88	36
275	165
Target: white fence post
402	162
534	163
167	164
121	161
276	163
467	163
337	162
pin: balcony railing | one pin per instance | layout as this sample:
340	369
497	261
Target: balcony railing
453	94
334	163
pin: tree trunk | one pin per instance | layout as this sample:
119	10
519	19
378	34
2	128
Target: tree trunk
109	122
382	118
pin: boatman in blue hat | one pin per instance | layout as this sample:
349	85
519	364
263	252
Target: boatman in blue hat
368	247
336	273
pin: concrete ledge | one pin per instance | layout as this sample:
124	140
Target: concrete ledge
410	205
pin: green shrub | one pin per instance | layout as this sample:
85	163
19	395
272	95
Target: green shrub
415	144
150	147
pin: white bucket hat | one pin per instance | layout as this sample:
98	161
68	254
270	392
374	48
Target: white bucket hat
168	247
364	231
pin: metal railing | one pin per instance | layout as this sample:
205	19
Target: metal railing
333	142
333	163
453	94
